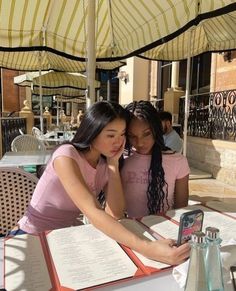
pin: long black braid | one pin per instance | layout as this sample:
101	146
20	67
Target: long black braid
157	191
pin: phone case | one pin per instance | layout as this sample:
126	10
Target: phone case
189	222
233	276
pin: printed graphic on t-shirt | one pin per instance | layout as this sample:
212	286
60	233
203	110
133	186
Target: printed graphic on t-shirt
137	178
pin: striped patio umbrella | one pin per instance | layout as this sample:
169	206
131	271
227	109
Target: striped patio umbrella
51	83
63	92
101	30
72	84
30	61
95	31
122	28
215	33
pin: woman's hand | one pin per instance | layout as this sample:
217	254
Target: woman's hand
165	251
115	159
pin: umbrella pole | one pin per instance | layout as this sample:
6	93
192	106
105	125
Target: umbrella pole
186	104
58	112
61	106
40	92
91	59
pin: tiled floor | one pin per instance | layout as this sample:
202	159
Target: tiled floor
204	188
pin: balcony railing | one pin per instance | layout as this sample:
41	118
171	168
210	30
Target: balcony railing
211	115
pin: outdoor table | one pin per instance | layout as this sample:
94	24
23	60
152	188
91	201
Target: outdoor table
57	137
27	158
160	280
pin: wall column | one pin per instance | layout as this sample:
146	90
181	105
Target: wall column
175	75
172	96
213	72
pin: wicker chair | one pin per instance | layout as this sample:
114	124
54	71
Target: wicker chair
27	142
16	189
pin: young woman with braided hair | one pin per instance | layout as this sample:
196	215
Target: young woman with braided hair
154	178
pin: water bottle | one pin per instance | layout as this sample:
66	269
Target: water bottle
213	260
197	277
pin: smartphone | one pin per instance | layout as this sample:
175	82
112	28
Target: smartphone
189	222
233	276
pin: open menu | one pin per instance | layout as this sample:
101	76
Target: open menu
73	258
83	257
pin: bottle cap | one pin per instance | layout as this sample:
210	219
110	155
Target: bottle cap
212	232
198	237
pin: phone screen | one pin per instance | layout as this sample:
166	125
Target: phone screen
190	221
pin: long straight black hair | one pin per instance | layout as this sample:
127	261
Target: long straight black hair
157	191
94	120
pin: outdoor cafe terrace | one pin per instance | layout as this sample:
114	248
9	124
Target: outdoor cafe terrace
212	116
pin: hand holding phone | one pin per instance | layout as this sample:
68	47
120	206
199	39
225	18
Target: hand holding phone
189	222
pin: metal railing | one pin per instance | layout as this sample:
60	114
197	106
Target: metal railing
211	115
10	127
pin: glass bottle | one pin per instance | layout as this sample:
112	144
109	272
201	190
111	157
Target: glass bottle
196	277
213	260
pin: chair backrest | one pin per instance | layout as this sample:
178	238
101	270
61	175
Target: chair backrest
27	142
21	131
16	189
36	132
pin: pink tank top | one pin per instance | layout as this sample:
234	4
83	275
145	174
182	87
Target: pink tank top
51	207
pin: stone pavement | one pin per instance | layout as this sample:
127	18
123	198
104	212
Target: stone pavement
202	187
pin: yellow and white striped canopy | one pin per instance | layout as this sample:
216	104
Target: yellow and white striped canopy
123	27
55	83
30	61
80	100
210	35
63	92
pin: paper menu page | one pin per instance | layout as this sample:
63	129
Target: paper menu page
84	257
225	224
151	263
139	230
229	209
25	266
161	225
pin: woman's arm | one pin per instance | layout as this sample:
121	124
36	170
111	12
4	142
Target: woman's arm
115	198
181	194
73	182
115	201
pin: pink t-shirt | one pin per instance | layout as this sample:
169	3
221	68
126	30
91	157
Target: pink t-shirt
50	206
134	175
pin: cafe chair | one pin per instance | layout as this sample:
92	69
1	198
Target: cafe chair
36	132
21	131
27	142
16	189
39	135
